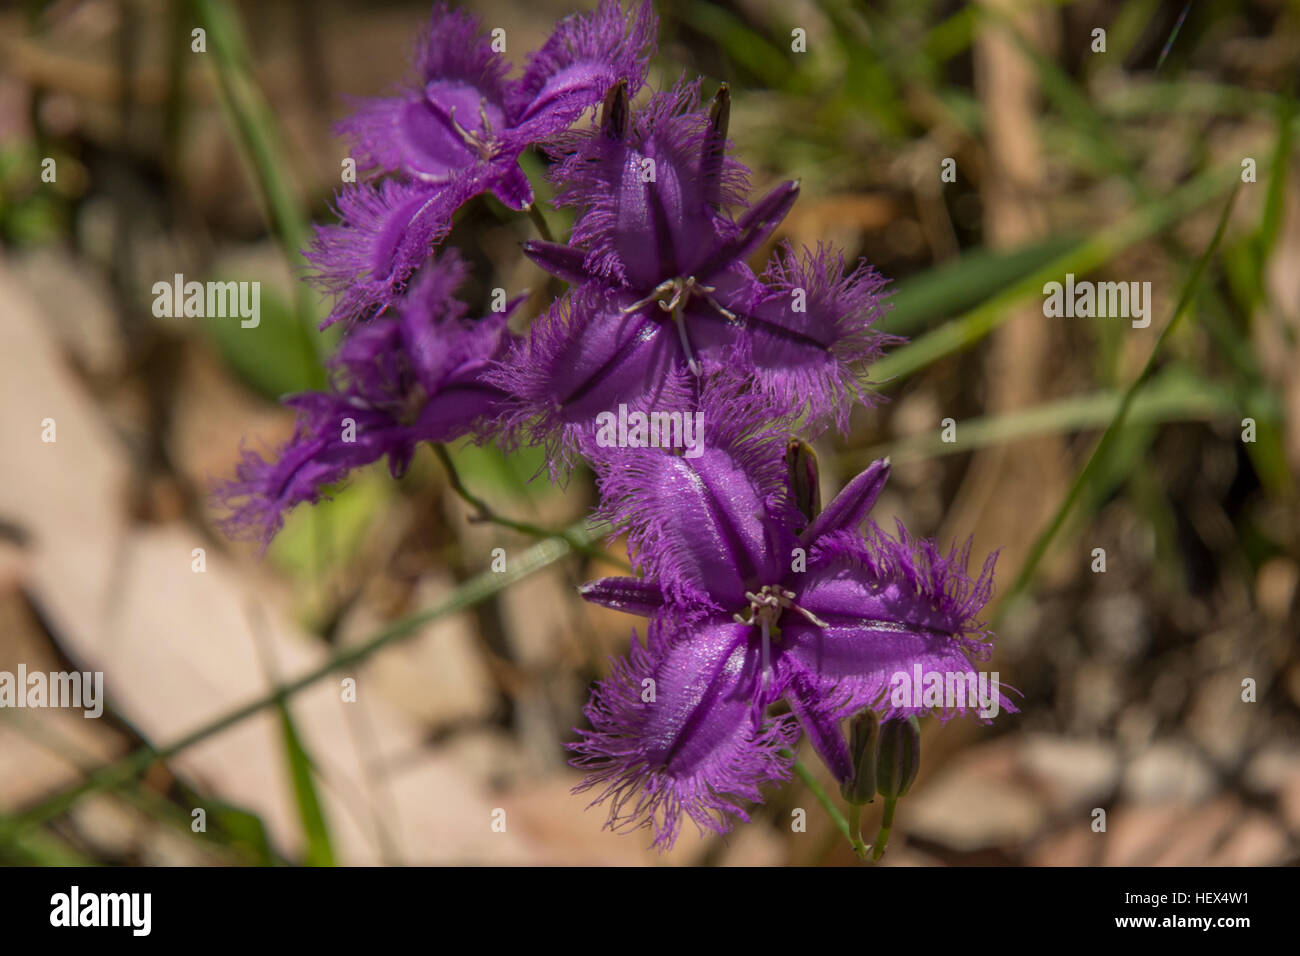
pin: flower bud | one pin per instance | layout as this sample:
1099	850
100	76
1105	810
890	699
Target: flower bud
804	485
615	112
720	115
864	729
898	757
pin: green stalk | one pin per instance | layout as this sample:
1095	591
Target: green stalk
122	771
886	825
1096	459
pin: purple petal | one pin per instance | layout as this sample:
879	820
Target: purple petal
264	490
559	260
813	336
408	135
755	226
820	711
691	750
630	595
509	184
648	213
852	505
586	55
711	527
386	233
583	357
422	132
890	604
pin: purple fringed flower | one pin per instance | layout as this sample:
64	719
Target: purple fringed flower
663	293
385	233
458	132
397	381
465	118
752	602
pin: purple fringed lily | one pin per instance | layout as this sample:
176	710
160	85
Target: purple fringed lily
751	602
458	131
464	118
385	232
397	381
663	294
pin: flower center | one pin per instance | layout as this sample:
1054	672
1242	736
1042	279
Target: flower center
672	296
765	610
768	604
482	142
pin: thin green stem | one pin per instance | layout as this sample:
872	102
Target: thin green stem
483	512
823	798
543	229
886	825
1095	460
855	830
262	143
119	772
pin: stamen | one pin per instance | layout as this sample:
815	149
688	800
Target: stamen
474	142
661	289
813	618
719	308
680	321
679	292
767	605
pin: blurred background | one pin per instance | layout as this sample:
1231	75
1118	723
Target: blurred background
369	691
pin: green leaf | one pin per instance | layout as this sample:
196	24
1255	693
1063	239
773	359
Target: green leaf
40	849
242	831
319	850
1097	462
965	282
1088	254
125	769
1176	395
270	358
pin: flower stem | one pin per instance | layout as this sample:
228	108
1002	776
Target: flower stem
484	512
855	831
886	824
119	772
539	221
823	798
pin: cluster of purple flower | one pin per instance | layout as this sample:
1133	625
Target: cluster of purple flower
754	594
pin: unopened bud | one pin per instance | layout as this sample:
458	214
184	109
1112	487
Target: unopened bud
864	731
614	112
801	460
720	114
898	757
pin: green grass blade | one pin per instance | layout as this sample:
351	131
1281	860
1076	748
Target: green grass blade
1173	396
963	283
41	849
1097	459
320	852
1090	253
262	146
122	771
1270	227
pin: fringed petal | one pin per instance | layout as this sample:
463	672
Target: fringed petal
672	734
